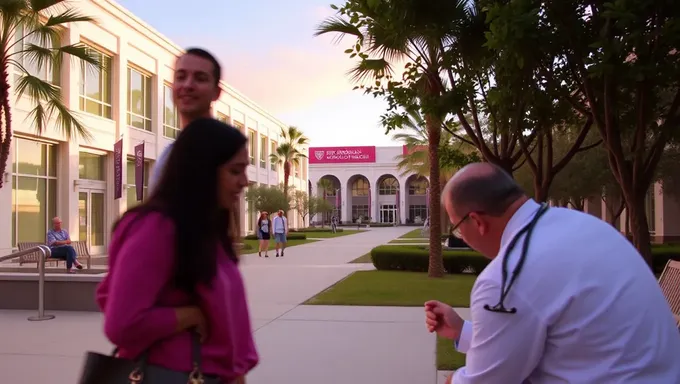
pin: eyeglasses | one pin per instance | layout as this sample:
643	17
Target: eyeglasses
456	227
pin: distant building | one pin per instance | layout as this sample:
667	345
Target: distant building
367	183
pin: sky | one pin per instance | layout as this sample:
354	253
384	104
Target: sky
269	53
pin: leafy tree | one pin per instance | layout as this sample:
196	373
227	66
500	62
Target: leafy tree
267	198
289	153
306	205
30	44
615	61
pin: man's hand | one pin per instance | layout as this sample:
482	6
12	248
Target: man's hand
68	242
441	318
449	379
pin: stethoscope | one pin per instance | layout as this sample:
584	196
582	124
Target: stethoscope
528	230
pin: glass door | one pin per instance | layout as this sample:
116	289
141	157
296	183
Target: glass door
388	213
91	208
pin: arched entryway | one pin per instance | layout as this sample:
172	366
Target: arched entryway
359	189
329	188
416	199
388	199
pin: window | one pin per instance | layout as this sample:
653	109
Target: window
251	211
130	182
139	100
34	190
251	146
46	73
91	166
222	117
96	85
360	187
418	187
273	161
170	115
388	186
296	167
240	126
263	152
650	210
359	211
417	212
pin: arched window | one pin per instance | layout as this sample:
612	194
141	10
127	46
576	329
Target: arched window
418	186
388	186
360	187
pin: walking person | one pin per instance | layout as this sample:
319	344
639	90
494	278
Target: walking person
173	269
565	299
280	225
59	242
196	85
263	233
334	224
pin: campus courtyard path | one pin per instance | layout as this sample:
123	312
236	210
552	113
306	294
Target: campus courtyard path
297	343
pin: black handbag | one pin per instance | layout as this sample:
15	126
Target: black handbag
109	369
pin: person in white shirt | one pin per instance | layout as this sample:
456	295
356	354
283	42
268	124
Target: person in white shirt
195	87
280	227
582	306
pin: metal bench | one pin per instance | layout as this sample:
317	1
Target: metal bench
669	281
82	252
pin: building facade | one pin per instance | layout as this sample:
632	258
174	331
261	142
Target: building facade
366	182
129	97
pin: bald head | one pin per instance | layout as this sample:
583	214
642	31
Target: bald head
482	187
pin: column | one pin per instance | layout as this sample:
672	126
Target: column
120	90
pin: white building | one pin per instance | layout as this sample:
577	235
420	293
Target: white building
369	184
49	176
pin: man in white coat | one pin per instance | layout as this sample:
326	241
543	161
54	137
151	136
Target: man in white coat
581	307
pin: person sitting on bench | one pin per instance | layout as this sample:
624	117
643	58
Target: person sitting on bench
59	242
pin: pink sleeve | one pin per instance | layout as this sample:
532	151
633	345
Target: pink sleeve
143	267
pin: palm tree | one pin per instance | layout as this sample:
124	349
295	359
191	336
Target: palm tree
324	186
288	153
30	45
415	32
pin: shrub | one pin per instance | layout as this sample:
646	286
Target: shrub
245	246
312	229
416	259
291	236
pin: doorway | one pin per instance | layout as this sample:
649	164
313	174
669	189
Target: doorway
388	213
91	220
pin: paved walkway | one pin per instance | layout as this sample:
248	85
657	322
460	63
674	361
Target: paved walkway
297	344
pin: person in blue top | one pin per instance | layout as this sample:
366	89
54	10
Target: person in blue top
263	233
59	242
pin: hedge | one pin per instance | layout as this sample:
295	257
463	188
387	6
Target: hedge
308	230
291	236
415	258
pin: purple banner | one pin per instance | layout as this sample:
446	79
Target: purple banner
118	169
396	219
369	205
139	171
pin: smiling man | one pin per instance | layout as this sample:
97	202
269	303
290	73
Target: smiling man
195	87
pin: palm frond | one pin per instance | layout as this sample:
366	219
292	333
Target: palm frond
67	121
370	69
66	17
342	27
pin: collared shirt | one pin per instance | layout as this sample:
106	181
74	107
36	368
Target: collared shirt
279	223
159	166
589	310
53	236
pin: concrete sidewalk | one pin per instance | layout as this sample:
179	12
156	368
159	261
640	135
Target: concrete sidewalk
297	344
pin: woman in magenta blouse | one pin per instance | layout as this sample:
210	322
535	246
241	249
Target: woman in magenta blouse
172	264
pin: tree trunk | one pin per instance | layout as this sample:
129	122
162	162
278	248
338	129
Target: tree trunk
637	219
436	264
6	133
286	178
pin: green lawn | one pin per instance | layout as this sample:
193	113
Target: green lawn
363	259
447	357
254	244
394	288
328	235
409	241
414	234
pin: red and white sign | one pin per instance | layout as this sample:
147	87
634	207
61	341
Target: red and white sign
339	155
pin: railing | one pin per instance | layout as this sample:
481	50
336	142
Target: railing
46	253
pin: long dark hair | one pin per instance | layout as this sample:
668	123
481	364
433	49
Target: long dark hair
187	194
